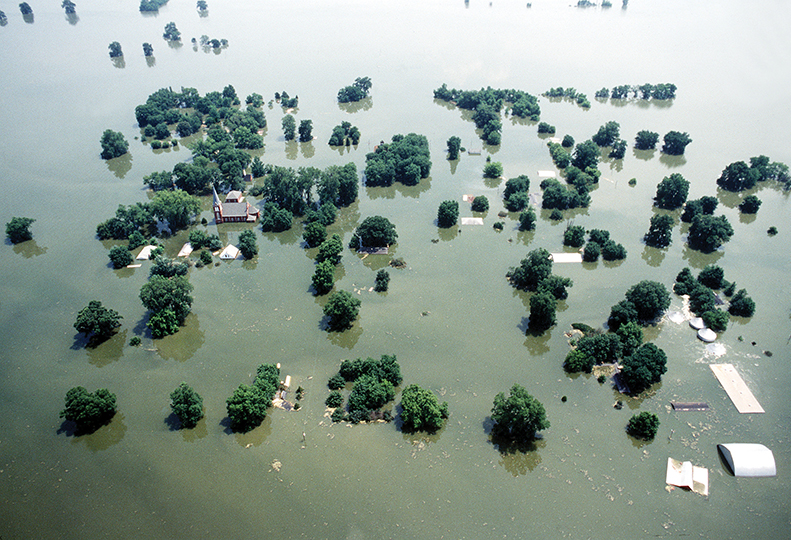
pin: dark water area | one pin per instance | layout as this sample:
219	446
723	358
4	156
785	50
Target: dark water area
451	318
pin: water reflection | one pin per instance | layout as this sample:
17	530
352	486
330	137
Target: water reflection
73	18
672	162
644	155
121	165
654	256
28	18
307	149
104	353
522	459
118	62
103	438
446	235
747	218
536	343
198	432
346	339
29	249
526	237
151	61
175	44
357	106
252	438
699	260
453	165
729	199
182	345
292	147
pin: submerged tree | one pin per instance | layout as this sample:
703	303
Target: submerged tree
187	405
659	231
675	143
115	50
18	229
171	32
447	214
97	320
148	50
454	144
519	416
643	425
69	6
421	410
89	411
341	309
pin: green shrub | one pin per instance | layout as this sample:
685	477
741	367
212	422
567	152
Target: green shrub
480	204
334	400
643	425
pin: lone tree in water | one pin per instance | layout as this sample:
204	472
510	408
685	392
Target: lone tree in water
148	50
113	144
305	130
422	410
289	126
672	191
97	320
708	233
454	144
643	425
447	214
187	405
374	231
18	229
115	50
518	417
171	32
342	309
69	6
89	411
675	143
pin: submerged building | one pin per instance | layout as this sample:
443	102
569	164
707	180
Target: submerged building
234	209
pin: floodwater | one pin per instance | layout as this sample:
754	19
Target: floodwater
450	316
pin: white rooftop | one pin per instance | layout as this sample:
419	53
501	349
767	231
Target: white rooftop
748	459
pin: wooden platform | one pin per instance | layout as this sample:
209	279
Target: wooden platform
689	406
736	388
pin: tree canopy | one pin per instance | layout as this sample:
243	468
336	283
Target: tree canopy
650	299
447	214
607	134
246	408
97	320
672	191
113	144
170	303
356	91
341	310
421	410
89	411
374	231
646	140
406	159
675	143
643	425
707	232
177	208
519	416
187	405
533	269
18	229
643	368
660	231
247	244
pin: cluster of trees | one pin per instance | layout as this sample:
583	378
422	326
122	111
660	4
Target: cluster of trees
421	410
643	91
206	42
127	220
89	410
202	5
187	405
739	176
355	92
516	193
344	134
534	274
660	231
480	204
487	104
703	301
327	258
3	18
600	243
707	232
18	229
25	8
69	6
559	154
152	5
248	405
706	205
543	127
286	101
248	246
610	135
167	297
406	160
374	231
373	386
570	94
382	280
200	240
646	140
560	197
492	169
643	303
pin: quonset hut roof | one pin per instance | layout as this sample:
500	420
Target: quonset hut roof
748	459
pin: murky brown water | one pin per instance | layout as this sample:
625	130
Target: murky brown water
137	479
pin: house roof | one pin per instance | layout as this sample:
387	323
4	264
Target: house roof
233	209
234	196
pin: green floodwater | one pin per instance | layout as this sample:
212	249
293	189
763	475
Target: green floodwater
586	479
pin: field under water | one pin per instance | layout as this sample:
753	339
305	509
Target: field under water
453	321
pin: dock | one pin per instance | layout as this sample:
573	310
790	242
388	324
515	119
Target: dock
736	388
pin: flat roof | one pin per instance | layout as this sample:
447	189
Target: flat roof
736	388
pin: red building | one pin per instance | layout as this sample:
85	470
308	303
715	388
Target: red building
234	209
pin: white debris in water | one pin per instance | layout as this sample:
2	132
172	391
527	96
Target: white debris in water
675	316
715	349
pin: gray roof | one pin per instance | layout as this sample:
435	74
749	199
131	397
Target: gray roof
234	209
